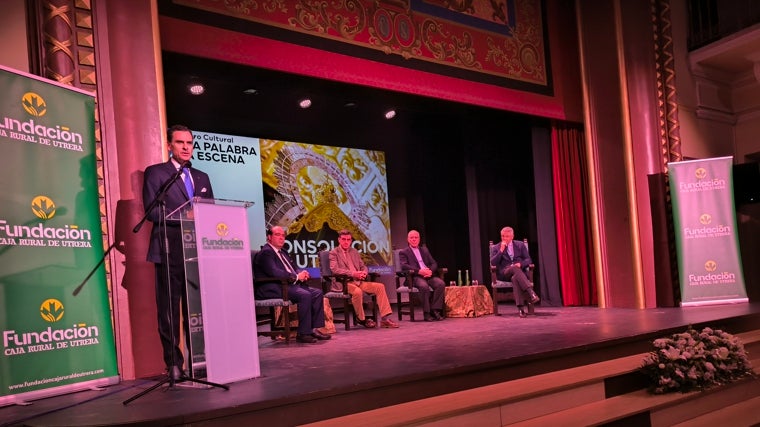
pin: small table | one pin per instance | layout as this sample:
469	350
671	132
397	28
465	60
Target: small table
468	301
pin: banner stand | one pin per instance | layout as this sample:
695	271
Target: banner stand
704	218
54	341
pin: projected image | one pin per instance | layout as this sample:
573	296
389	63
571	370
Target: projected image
314	191
234	165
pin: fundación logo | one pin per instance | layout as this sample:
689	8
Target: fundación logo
51	310
41	234
712	276
707	230
222	243
702	182
35	130
49	339
34	104
700	173
222	229
43	207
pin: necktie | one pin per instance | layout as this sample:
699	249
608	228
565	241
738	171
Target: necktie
286	262
188	183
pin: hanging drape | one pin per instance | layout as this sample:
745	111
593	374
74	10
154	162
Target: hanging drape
569	173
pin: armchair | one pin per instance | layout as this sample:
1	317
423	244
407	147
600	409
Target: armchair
497	285
405	285
284	303
335	287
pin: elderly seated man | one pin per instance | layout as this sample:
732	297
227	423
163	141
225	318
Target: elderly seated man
511	259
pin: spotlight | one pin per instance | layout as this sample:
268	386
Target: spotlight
196	87
390	114
251	92
304	103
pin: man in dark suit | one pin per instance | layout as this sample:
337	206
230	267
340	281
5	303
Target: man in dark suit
274	262
511	259
170	266
417	260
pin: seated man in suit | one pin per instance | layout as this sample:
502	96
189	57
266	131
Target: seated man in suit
417	260
346	260
511	259
272	261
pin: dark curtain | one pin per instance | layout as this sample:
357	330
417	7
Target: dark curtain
514	188
503	174
570	176
545	253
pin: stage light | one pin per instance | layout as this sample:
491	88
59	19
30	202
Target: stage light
251	91
195	87
390	114
305	103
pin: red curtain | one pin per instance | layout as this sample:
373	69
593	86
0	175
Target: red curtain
569	180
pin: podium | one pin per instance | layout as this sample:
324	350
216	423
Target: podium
223	345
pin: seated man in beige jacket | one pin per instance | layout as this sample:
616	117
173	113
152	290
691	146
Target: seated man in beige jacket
346	260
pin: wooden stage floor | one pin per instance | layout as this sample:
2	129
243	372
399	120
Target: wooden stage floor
364	369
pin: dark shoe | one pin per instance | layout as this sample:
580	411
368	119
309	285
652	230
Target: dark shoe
305	339
367	323
320	336
437	315
531	309
521	312
533	297
175	373
428	317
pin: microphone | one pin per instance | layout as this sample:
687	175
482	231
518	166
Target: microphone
187	164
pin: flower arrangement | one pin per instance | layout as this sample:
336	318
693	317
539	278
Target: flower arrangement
695	360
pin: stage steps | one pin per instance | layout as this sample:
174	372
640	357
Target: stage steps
594	394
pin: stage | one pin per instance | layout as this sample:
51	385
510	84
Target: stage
364	369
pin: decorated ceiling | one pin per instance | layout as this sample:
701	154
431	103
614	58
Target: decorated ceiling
483	40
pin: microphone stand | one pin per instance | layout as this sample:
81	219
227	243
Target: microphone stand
164	242
102	260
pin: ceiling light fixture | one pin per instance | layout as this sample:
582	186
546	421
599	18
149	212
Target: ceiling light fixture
390	114
251	91
305	103
195	87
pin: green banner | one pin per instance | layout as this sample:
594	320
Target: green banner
50	239
705	226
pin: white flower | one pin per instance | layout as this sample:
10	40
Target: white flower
695	360
672	353
722	353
